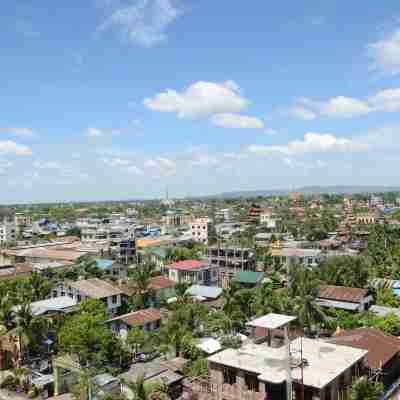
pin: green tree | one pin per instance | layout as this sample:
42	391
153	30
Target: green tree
362	389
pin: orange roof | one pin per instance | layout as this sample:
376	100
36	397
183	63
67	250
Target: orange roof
141	317
161	282
142	243
186	265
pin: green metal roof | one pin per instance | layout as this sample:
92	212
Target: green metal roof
248	277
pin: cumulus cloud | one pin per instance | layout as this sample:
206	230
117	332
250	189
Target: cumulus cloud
161	166
141	22
12	148
346	107
116	162
94	133
386	53
133	169
387	100
201	99
21	132
299	111
312	143
47	164
236	121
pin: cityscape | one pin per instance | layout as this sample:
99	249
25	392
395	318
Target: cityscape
199	200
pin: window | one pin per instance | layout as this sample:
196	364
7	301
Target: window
229	375
79	298
251	382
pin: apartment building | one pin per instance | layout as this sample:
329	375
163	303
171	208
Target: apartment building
194	272
93	288
271	369
229	261
224	214
199	229
8	232
21	220
177	217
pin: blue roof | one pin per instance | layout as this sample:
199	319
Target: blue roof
209	292
104	264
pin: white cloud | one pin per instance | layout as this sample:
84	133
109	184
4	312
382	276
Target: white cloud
386	100
386	53
161	166
204	160
133	169
299	111
116	162
200	99
312	143
94	133
236	121
47	164
21	132
142	22
346	107
10	147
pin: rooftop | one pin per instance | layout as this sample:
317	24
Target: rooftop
161	282
186	265
95	288
139	318
271	321
209	292
342	293
251	277
326	361
381	348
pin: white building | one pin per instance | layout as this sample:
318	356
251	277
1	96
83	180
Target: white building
8	232
199	229
225	214
91	289
194	272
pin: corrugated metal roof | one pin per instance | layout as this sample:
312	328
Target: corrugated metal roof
342	293
248	277
209	292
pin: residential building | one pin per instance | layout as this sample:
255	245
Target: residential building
91	289
52	306
259	371
287	256
224	214
177	217
147	320
204	293
383	351
127	251
344	298
267	220
229	261
254	214
8	232
199	229
194	272
366	219
22	220
249	279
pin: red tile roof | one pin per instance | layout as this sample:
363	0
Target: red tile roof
141	317
381	348
186	265
161	282
342	293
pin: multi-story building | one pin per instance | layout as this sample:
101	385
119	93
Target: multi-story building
224	214
199	229
194	272
94	231
229	261
21	220
127	251
8	232
366	219
261	371
177	217
91	289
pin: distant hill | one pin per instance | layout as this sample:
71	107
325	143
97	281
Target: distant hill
310	190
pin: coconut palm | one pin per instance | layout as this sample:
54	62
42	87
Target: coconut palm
362	389
142	390
140	280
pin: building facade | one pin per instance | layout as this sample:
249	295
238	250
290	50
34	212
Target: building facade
199	230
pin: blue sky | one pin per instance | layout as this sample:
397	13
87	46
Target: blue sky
116	99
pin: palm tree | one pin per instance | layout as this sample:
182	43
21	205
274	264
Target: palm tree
7	313
142	390
304	290
363	389
140	281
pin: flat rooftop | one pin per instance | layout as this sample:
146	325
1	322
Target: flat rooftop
326	361
271	321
